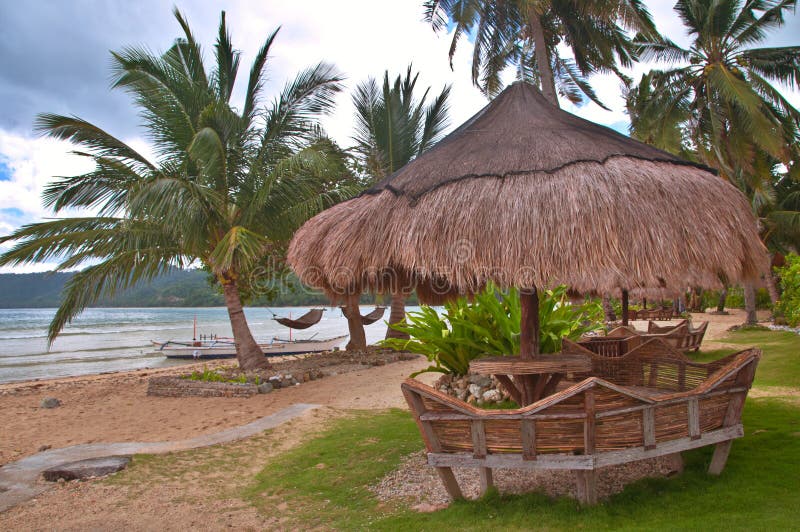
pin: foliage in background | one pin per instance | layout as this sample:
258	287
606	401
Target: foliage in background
489	326
735	298
532	37
789	302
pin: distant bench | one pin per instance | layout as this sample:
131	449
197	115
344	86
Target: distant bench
651	402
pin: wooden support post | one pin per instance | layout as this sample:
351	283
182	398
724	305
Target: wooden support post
486	480
624	307
528	338
528	428
479	451
732	416
649	428
720	457
675	461
529	323
693	410
513	391
450	483
586	486
590	423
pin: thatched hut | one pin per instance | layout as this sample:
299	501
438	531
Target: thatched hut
525	194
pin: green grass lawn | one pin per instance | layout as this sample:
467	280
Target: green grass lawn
780	364
325	480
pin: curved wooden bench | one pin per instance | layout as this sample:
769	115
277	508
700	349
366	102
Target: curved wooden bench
652	402
690	341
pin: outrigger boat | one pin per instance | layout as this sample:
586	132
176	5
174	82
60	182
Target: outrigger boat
226	348
214	347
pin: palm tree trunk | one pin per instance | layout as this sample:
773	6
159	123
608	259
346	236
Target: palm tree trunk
608	309
358	339
774	296
723	295
750	304
248	353
397	314
772	288
542	57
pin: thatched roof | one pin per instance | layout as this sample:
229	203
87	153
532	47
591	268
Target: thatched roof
526	194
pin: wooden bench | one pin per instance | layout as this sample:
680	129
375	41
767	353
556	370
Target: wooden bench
661	314
650	402
689	341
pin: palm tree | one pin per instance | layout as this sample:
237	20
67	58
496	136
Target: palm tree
393	126
654	121
226	189
739	122
526	34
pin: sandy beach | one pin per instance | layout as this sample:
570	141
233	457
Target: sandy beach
115	408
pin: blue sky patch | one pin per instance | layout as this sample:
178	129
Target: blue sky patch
12	211
5	171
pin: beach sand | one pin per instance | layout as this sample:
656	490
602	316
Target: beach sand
115	408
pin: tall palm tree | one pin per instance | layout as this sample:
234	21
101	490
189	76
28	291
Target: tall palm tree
226	189
739	122
657	118
526	34
393	126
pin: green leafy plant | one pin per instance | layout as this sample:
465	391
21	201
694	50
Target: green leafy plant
789	302
210	375
489	326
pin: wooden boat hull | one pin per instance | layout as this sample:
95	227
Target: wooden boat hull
221	350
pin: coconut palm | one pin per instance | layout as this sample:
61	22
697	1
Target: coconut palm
739	122
225	190
727	83
393	126
657	118
526	35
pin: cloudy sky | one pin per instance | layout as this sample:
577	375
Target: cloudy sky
54	57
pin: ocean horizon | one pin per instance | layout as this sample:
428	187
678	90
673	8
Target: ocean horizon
103	340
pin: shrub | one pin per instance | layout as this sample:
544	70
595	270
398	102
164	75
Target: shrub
789	302
489	326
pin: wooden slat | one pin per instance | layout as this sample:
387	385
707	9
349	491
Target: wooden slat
693	409
512	389
552	383
649	428
589	430
669	447
428	434
528	428
454	416
478	438
570	461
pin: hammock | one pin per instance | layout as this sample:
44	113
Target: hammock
303	322
372	317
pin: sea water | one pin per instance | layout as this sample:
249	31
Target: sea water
115	339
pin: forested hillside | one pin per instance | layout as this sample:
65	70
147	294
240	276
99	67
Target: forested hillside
180	288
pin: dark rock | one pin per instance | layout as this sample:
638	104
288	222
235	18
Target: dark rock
265	387
83	469
50	402
44	448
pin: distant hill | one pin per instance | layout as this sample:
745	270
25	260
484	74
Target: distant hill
179	288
